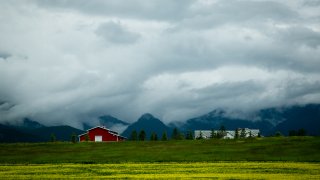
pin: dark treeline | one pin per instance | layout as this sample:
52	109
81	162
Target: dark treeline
176	135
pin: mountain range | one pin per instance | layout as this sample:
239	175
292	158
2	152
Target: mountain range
269	121
32	131
218	118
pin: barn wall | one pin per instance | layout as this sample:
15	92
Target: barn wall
82	138
106	136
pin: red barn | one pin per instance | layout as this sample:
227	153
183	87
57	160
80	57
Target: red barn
101	134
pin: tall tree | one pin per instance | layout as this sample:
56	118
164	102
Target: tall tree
222	132
301	132
164	136
86	137
243	133
134	135
278	134
153	136
53	138
142	135
292	133
200	135
236	134
73	138
212	135
189	135
175	134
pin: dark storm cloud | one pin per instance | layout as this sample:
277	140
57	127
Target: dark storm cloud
175	59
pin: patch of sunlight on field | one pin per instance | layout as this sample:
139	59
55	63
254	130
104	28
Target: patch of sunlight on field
222	170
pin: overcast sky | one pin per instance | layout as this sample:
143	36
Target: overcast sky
67	62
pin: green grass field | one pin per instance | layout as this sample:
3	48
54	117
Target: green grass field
265	158
298	149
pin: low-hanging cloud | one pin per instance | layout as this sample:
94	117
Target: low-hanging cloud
68	62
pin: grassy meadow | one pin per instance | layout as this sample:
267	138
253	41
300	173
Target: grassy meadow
298	149
262	158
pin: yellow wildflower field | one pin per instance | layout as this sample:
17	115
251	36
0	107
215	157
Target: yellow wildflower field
219	170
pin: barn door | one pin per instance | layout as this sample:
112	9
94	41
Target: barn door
98	138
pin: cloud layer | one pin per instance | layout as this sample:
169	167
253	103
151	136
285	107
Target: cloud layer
68	62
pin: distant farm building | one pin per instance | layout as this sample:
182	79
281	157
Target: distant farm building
228	134
101	134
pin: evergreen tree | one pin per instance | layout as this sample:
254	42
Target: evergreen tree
243	133
259	135
293	133
134	135
236	135
86	137
53	137
278	134
73	138
175	134
222	132
301	132
212	135
200	135
142	135
153	136
189	135
164	136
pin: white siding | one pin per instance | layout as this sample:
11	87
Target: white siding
206	134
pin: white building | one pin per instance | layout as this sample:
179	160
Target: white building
206	134
229	134
246	132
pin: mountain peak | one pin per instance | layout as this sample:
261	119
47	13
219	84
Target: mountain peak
147	116
149	124
109	120
29	123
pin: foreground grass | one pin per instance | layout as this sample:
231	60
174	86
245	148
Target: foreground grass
222	170
298	149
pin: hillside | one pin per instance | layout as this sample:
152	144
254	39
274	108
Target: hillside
11	134
268	120
62	133
32	131
296	117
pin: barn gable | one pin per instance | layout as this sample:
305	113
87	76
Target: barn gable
101	134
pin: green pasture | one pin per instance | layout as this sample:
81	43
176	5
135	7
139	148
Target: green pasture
218	170
293	149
